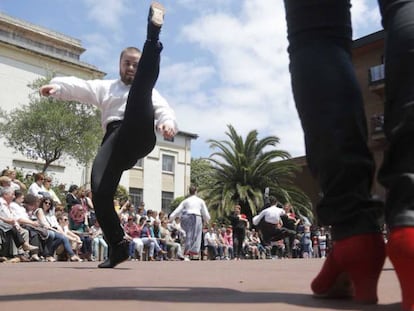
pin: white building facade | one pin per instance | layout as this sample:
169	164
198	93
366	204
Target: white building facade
28	52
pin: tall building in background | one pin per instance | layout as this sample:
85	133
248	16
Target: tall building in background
28	52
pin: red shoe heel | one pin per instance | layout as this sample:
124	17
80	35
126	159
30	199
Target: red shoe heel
352	269
400	249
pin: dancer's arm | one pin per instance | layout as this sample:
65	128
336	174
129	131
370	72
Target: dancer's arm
74	89
165	116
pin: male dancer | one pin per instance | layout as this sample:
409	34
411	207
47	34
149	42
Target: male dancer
129	106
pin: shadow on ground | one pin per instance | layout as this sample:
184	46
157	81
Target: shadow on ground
194	295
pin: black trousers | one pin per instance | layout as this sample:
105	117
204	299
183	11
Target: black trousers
238	239
271	233
330	105
125	142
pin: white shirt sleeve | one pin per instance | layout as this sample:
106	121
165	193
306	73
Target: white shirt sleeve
164	114
76	89
256	219
177	211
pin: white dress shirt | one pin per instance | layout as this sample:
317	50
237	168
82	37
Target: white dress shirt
110	96
35	189
192	205
271	215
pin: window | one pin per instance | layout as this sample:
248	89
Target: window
139	162
136	196
168	163
166	199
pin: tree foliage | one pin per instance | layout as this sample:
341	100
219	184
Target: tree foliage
243	168
50	129
201	172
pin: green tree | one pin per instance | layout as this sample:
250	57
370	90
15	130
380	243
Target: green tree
121	193
174	204
49	129
244	168
201	172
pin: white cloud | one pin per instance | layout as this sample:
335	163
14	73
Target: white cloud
107	13
365	17
230	65
187	77
252	83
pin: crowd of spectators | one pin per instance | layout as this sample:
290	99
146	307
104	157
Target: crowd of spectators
37	225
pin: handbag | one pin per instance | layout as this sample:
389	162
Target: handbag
43	232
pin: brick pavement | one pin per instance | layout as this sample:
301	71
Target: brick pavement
172	286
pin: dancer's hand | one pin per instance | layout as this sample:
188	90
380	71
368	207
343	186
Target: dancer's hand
166	130
48	89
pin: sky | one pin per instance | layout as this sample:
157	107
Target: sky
224	61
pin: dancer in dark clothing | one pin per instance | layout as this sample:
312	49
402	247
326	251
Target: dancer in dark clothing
330	106
239	225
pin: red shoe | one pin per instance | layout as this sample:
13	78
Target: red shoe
352	269
400	249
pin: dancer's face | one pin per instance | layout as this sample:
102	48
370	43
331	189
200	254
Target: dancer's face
128	66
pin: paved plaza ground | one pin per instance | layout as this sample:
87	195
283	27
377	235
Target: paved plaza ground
252	285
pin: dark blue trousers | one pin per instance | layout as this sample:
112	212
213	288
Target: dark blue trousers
330	106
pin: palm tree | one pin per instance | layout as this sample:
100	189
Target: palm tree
242	169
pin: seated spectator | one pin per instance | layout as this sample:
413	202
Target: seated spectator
147	237
140	211
177	230
9	235
98	241
212	244
257	244
47	183
127	210
49	211
15	183
72	197
55	238
37	234
151	215
173	248
133	233
250	247
5	182
156	230
75	240
36	188
77	223
8	216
